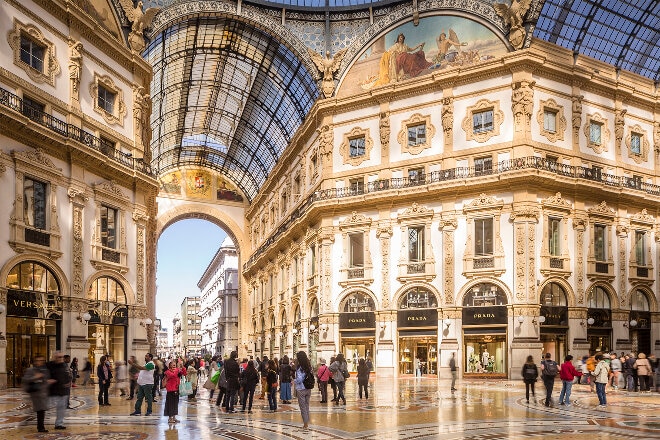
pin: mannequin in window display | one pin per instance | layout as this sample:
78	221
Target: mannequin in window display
485	359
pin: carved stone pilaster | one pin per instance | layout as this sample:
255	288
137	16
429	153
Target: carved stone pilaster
524	219
448	226
580	225
622	234
77	250
140	260
384	233
326	237
384	129
448	119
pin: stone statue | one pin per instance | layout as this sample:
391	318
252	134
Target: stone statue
325	140
619	125
577	111
141	107
75	66
513	16
327	66
656	136
522	100
447	115
384	128
141	20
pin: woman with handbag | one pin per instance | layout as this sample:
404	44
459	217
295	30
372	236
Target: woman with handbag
249	380
191	375
271	379
323	374
35	382
339	370
172	380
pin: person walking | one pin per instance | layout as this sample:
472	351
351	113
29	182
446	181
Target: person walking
549	370
529	373
87	372
192	376
67	364
172	380
323	374
250	379
104	376
454	371
567	373
629	368
263	371
644	372
36	382
133	372
339	368
304	382
601	376
74	372
271	385
59	385
144	382
363	378
615	374
121	375
286	378
331	381
232	373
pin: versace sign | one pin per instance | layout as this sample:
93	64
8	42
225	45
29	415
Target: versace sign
33	304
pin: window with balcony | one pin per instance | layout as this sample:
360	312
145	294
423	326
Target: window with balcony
356	255
483	165
482	121
35	202
416	175
33	109
483	232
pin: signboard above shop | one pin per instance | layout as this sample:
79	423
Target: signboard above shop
484	315
31	304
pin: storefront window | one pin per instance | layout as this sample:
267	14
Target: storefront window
106	331
639	324
358	302
418	298
485	353
599	321
357	325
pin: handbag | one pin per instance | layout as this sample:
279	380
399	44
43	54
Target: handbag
345	373
215	377
185	387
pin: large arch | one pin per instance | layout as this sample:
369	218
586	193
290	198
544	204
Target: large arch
65	288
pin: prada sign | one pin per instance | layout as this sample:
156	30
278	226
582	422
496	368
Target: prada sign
357	320
417	318
33	304
484	315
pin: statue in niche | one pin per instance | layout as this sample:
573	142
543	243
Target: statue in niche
513	16
656	136
577	111
447	115
327	66
619	125
384	128
141	20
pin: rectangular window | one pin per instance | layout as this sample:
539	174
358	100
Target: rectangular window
356	146
356	186
295	270
416	135
283	204
33	109
314	162
600	236
483	165
482	121
636	143
34	203
296	186
550	121
108	227
416	243
106	100
32	53
312	260
554	242
483	232
356	243
595	133
640	246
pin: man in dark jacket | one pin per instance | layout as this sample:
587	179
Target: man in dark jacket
232	372
59	389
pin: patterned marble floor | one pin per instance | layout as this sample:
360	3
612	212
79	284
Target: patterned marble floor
406	408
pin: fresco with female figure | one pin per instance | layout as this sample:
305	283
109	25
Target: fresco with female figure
407	51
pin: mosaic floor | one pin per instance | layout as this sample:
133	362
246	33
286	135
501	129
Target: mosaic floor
403	409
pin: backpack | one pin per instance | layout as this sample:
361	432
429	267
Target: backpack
550	369
308	381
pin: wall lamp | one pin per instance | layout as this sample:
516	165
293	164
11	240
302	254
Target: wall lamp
312	327
382	326
280	334
294	331
590	321
145	322
521	319
540	320
633	323
324	327
84	318
447	323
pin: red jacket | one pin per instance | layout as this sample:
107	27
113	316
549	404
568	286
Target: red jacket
568	372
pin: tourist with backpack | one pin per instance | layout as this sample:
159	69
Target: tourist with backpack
549	370
304	383
568	373
529	373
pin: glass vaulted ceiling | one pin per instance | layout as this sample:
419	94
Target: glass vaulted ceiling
623	33
226	96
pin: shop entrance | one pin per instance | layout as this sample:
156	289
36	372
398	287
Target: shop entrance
25	339
418	356
485	354
356	348
555	344
106	340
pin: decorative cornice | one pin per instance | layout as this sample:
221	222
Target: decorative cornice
483	202
602	210
355	220
643	217
556	201
416	211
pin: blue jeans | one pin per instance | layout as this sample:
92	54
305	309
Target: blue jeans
285	390
600	392
565	395
272	398
60	408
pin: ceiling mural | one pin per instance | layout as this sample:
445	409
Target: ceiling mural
408	51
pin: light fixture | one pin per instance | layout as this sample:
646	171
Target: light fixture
84	318
312	327
521	319
382	326
2	309
540	320
145	322
632	323
259	339
590	321
447	322
93	335
157	322
280	334
294	331
324	327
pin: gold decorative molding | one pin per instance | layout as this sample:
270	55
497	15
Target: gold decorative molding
556	202
560	122
604	133
119	113
51	66
644	145
498	119
602	210
345	147
402	137
484	202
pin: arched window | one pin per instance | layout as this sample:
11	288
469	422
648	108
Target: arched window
553	295
418	298
314	308
32	276
599	299
283	320
106	289
485	295
639	301
358	302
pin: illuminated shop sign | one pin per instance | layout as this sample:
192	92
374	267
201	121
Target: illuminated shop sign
109	313
417	318
357	320
484	315
32	304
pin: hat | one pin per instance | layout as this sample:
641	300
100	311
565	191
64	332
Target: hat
641	356
321	361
